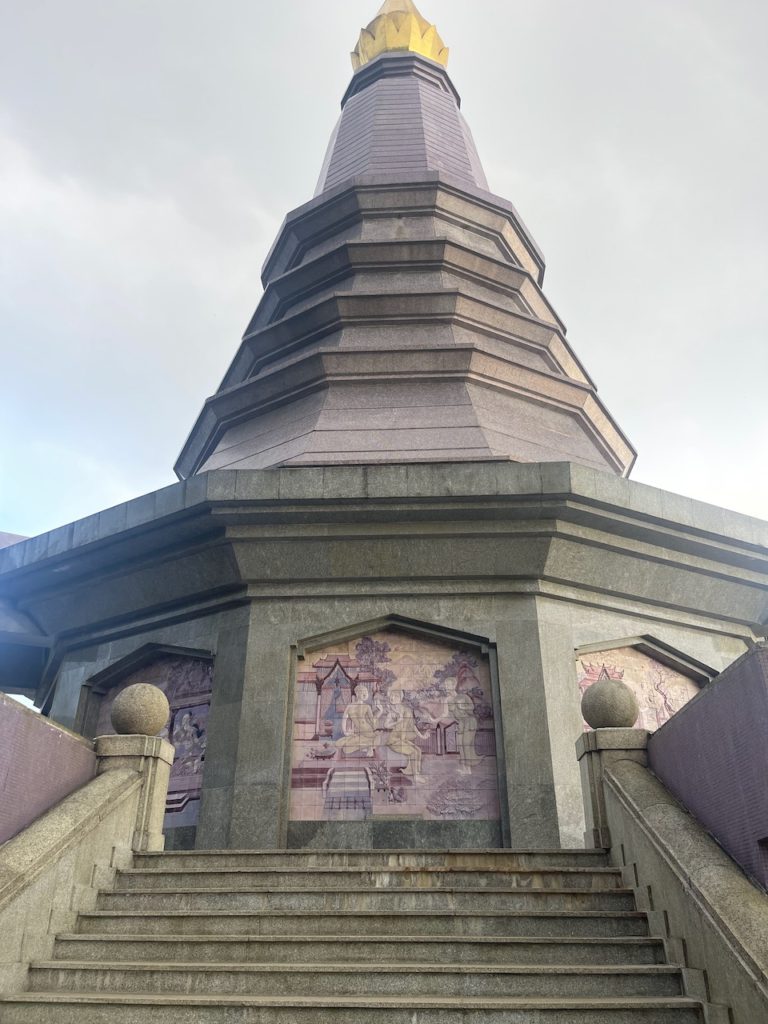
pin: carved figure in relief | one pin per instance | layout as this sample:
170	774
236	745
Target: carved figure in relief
459	707
334	713
404	734
358	726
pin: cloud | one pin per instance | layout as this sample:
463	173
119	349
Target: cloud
59	485
120	310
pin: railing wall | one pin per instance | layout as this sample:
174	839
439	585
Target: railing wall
40	764
713	756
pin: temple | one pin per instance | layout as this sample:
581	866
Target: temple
403	543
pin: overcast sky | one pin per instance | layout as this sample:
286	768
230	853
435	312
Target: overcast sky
149	150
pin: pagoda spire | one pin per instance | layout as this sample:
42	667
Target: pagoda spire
403	318
399	27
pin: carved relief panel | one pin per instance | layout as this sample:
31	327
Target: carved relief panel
393	725
186	682
660	688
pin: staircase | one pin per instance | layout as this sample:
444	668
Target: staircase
393	937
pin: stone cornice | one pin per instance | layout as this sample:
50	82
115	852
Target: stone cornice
179	515
398	65
381	309
432	195
300	283
267	352
311	372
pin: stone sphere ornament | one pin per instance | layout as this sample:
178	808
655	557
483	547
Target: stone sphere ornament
609	704
140	710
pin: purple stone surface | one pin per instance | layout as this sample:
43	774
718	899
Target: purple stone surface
713	756
401	116
40	764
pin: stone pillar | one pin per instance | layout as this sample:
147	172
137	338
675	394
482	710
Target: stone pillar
532	804
152	758
596	751
221	758
137	713
558	682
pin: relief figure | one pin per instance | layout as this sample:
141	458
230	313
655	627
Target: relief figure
404	734
334	713
459	707
358	726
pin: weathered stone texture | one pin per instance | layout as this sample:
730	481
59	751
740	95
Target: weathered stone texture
140	709
609	704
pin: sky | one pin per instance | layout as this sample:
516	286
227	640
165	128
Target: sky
149	150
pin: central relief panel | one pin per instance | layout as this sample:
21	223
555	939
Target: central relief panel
393	726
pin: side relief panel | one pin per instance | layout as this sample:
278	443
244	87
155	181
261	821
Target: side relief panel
660	690
186	682
393	726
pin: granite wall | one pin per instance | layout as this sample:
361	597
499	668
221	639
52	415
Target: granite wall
261	572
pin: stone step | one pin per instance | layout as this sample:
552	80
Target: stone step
157	901
446	980
260	949
383	878
517	860
584	923
96	1008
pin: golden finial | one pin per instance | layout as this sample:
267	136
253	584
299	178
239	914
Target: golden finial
399	26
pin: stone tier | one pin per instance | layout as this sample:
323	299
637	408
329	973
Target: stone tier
404	321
